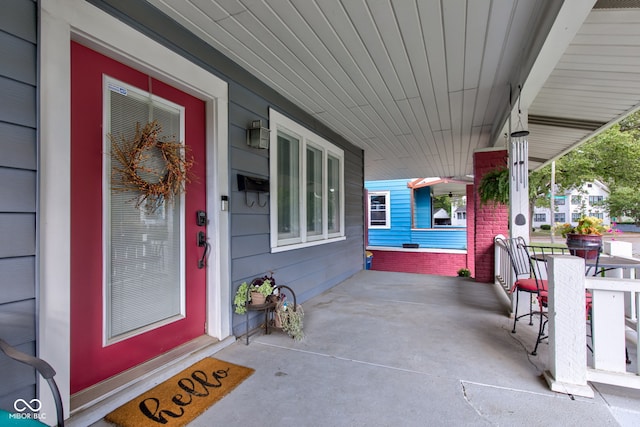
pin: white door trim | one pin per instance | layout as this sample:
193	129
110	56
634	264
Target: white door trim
60	22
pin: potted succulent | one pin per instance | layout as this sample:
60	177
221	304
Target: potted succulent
255	293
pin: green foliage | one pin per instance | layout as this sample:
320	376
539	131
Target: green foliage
612	157
263	285
494	187
464	272
291	320
624	201
240	300
442	202
545	227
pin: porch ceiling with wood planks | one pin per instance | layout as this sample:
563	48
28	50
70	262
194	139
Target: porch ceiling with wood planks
421	84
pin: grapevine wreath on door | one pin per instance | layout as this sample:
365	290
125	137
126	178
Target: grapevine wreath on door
156	167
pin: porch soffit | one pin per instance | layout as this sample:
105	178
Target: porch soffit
421	85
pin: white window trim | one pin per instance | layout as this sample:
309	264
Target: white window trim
279	122
387	221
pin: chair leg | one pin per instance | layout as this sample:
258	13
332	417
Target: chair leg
540	332
515	315
530	310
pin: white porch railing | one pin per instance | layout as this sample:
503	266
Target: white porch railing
504	276
613	325
612	330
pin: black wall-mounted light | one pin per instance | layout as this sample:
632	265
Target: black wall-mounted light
258	136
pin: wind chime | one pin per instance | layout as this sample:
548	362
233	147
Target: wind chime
519	158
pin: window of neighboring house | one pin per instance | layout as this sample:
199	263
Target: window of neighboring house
461	215
559	200
559	217
595	199
540	217
307	186
598	215
575	216
379	211
576	199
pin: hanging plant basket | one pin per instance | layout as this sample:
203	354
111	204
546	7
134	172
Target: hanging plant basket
157	168
494	187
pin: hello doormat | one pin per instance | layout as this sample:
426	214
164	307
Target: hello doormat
183	397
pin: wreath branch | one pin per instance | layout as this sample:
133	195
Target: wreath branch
129	159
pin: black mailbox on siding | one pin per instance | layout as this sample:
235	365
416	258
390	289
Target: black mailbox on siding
253	184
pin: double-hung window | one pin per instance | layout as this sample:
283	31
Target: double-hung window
307	186
379	209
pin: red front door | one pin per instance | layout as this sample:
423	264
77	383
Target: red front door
136	289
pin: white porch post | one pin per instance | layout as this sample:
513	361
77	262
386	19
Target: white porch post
519	221
567	327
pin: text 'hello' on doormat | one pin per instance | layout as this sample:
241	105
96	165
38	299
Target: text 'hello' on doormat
183	397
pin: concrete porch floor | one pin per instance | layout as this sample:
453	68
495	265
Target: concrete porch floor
399	349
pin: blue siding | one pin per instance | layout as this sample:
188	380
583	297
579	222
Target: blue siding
401	231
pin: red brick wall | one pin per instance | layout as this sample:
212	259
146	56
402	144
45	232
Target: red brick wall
442	264
489	220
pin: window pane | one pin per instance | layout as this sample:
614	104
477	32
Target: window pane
334	194
288	187
378	210
314	192
145	243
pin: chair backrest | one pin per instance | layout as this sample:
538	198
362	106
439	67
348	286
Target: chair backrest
539	256
517	249
43	368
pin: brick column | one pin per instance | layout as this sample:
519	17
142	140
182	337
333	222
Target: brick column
488	220
471	231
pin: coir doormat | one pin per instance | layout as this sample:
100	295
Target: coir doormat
182	397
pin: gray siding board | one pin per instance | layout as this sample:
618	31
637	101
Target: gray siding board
17	377
17	322
247	224
245	246
16	279
20	195
18	234
18	177
17	146
18	103
19	17
18	59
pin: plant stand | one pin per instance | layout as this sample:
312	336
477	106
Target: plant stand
268	307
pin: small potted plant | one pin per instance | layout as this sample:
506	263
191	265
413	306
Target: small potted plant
290	318
255	293
464	272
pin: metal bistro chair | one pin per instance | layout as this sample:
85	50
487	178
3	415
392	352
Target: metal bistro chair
538	256
47	373
525	280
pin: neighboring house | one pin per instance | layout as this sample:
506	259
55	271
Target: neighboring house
400	213
404	234
459	217
571	205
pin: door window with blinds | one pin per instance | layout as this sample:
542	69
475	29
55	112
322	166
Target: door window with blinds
144	245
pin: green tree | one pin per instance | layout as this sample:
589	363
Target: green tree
612	157
624	201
